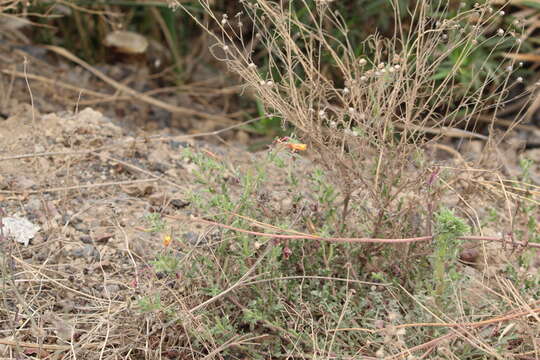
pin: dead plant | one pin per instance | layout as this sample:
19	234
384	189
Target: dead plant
366	110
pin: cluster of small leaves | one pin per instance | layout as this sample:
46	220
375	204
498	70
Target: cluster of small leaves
156	222
448	228
166	263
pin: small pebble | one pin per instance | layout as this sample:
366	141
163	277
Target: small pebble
87	251
191	237
179	203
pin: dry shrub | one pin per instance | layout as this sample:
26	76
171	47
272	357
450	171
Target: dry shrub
368	114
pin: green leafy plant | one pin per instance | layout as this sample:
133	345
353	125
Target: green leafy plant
448	229
166	263
147	304
156	222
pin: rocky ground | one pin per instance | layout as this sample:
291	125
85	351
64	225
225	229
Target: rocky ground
90	188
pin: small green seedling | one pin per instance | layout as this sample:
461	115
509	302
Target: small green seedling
448	229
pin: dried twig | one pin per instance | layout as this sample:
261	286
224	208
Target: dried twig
77	187
347	239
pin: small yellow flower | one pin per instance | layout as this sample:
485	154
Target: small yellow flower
167	239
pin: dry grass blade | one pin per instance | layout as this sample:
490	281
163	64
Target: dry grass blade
134	93
56	83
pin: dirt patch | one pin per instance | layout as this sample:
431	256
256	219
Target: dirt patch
92	188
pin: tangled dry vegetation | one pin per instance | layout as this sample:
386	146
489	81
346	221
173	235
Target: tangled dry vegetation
347	252
369	111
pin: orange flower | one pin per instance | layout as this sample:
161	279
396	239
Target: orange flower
167	239
296	147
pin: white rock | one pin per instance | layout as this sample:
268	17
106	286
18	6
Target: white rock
20	229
